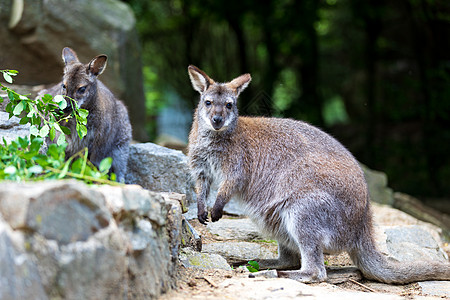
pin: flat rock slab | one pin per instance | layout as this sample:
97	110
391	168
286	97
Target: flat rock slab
436	288
409	243
190	258
239	252
235	229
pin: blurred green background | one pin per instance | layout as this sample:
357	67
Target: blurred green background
375	74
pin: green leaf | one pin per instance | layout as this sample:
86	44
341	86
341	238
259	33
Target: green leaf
36	120
34	130
52	133
7	77
36	169
24	120
9	107
18	109
44	131
11	170
65	130
61	140
113	177
81	130
105	164
62	103
36	144
23	142
77	166
47	98
253	265
53	151
83	113
10	95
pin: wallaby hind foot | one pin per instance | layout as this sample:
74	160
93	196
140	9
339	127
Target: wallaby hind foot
304	276
287	260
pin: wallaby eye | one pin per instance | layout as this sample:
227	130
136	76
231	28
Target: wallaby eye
207	103
81	90
229	105
63	86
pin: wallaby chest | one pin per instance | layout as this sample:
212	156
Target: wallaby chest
207	158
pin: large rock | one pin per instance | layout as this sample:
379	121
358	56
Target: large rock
65	240
378	186
409	243
159	169
33	34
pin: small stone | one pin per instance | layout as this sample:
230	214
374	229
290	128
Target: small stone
264	274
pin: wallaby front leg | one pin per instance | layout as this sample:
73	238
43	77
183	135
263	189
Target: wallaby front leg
223	197
202	194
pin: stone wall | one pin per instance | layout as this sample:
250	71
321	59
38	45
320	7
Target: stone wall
66	240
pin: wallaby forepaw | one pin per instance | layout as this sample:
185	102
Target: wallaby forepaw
216	214
203	217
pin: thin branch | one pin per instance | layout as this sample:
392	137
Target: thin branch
362	285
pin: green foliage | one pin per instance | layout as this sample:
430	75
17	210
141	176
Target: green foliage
253	266
44	114
22	159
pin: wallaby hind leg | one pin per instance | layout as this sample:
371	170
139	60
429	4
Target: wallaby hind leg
308	241
312	269
287	259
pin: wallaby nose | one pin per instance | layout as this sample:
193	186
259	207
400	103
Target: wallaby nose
217	119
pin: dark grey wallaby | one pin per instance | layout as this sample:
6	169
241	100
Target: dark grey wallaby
296	182
108	125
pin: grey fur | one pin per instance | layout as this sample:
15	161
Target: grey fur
296	182
108	124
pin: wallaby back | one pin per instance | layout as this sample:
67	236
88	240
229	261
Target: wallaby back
108	124
296	182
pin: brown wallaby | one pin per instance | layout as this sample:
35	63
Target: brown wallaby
296	182
108	125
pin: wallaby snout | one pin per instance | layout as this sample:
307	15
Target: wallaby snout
217	122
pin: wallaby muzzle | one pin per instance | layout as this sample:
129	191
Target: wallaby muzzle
217	122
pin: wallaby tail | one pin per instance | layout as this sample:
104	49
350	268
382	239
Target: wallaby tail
374	265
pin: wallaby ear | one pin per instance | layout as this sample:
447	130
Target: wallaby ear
69	56
200	81
239	84
97	65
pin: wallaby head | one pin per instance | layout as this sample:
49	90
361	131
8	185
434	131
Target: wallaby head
80	80
218	101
